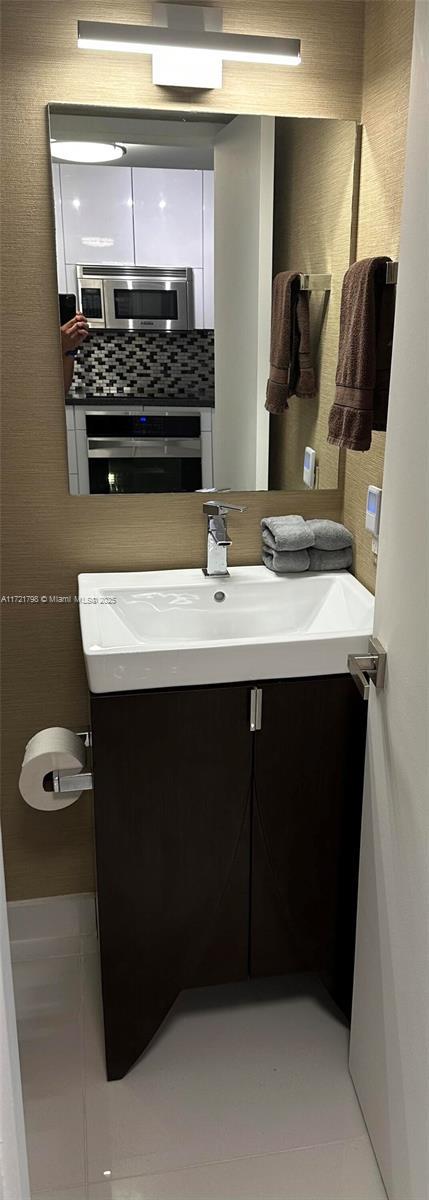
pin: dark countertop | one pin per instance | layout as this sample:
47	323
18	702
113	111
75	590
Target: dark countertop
79	396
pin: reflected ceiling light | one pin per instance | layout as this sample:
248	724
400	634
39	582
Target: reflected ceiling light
189	48
87	152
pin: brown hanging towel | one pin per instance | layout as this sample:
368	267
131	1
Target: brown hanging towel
291	373
364	355
305	386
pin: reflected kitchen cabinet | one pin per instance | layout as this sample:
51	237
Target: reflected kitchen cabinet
199	290
168	216
208	247
97	214
59	232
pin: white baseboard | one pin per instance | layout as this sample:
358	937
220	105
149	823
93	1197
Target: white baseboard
52	927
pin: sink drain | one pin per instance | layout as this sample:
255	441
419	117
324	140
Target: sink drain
219	596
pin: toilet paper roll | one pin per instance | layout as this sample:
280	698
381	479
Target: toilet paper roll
50	750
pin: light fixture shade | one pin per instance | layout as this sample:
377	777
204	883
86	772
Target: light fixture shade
148	39
187	68
87	152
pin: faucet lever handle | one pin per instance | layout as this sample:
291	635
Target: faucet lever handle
219	509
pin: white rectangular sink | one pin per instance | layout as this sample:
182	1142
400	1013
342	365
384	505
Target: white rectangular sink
178	628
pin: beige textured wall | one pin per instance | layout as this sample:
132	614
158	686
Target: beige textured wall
387	63
50	536
312	232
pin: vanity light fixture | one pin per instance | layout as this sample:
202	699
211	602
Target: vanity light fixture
188	45
87	152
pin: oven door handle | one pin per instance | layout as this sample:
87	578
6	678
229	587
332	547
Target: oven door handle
94	442
100	444
144	447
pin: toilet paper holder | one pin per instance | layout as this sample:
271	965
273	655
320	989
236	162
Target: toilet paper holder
72	783
82	782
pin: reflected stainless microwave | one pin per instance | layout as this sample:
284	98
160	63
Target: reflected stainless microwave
136	298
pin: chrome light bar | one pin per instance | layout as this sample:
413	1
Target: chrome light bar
148	39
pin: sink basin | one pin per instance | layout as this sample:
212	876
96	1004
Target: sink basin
178	628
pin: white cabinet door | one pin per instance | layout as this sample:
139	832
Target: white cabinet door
168	217
197	281
71	281
59	235
208	248
97	214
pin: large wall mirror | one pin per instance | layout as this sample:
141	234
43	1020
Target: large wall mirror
170	227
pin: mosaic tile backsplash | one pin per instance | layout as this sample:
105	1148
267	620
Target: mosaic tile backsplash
156	364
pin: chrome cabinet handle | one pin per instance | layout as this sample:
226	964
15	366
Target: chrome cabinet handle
368	668
255	723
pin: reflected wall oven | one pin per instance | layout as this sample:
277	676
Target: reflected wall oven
133	298
141	450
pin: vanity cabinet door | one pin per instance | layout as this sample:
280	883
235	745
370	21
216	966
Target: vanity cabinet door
172	822
309	761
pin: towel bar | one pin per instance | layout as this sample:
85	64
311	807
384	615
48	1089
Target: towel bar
315	283
367	668
392	272
322	283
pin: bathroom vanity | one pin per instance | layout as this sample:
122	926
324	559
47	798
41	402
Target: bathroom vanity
228	811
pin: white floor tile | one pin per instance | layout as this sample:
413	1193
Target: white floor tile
244	1095
87	917
254	1069
50	988
51	1050
340	1171
61	1194
27	950
50	916
89	944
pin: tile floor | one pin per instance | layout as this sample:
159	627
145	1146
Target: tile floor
244	1095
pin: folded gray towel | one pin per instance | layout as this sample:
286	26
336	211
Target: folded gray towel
286	533
330	560
329	535
286	561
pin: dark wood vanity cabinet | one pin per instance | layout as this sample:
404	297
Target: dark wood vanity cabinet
223	853
306	818
173	773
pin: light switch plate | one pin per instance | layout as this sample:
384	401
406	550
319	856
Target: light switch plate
373	508
309	472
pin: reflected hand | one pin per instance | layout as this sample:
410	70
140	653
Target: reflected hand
74	332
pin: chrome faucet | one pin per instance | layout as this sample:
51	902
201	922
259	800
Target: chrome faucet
217	535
